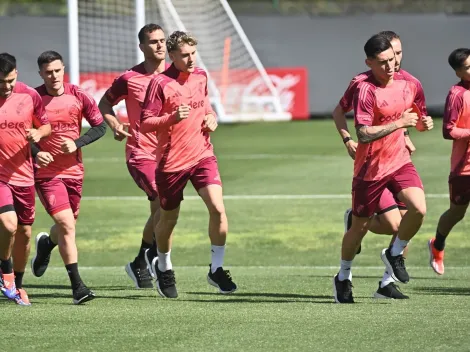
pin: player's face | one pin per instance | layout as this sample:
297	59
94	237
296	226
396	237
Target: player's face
383	65
184	58
464	72
396	46
154	46
53	75
7	83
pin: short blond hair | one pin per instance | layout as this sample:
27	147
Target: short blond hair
178	38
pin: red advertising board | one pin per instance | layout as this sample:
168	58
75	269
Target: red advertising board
291	84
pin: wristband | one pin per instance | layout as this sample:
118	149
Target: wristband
347	139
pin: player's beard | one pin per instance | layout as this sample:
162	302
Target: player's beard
398	68
5	94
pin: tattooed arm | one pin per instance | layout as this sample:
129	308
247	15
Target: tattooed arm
368	134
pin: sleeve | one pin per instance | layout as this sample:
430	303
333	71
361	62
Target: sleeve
90	110
34	150
39	111
118	90
346	101
452	112
151	117
92	135
420	100
363	104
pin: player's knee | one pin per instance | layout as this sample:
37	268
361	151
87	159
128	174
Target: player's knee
419	210
24	231
457	214
66	226
10	225
217	210
394	226
168	223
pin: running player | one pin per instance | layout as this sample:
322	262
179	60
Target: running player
456	127
382	161
21	110
59	177
176	107
140	147
390	210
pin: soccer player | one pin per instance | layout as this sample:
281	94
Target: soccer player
21	110
456	127
176	106
390	210
382	108
59	178
140	147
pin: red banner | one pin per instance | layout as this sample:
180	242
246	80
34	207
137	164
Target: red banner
291	84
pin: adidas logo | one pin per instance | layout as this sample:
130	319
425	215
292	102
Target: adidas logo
383	104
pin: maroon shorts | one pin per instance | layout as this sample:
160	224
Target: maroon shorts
57	194
367	194
143	173
459	190
20	200
171	185
389	201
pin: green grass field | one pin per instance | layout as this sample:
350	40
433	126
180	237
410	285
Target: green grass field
287	186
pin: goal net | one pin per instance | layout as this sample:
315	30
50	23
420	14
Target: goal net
239	87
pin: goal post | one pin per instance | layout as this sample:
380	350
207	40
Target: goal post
103	43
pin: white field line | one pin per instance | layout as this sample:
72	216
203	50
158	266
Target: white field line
264	156
253	197
282	267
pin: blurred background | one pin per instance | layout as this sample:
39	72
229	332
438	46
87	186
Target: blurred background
309	48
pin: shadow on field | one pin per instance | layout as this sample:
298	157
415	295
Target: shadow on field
48	287
431	277
444	291
262	298
263	294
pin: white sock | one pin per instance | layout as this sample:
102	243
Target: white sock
345	270
164	261
398	247
386	279
218	253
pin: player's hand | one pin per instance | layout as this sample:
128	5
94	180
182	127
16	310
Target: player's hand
33	135
409	145
425	124
44	158
120	132
351	147
409	119
182	112
68	146
210	123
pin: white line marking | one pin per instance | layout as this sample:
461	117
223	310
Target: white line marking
265	157
254	197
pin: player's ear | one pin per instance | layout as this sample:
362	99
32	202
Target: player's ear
140	47
458	73
368	62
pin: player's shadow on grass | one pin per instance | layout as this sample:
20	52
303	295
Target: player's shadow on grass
378	276
49	287
247	297
254	300
444	291
263	294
